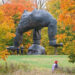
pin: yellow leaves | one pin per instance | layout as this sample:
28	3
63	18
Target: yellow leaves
57	11
1	16
69	47
5	28
53	6
6	25
10	15
9	35
28	45
68	9
64	12
3	54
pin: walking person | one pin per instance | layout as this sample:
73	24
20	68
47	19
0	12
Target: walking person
54	66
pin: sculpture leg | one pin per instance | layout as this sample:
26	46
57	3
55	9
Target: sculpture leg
17	50
17	42
52	30
22	48
36	36
36	48
18	39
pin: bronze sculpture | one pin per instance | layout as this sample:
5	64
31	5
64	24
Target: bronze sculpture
36	20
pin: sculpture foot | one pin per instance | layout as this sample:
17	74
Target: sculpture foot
13	48
57	45
36	49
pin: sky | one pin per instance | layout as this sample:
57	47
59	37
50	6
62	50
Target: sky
0	1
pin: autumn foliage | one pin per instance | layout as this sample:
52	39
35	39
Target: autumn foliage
6	25
68	13
67	19
62	10
67	16
4	54
10	14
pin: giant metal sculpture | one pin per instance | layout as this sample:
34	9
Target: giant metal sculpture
36	20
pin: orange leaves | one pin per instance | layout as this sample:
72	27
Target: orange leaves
65	5
12	9
17	7
64	12
61	37
68	9
73	29
3	54
28	33
10	14
28	5
61	17
6	25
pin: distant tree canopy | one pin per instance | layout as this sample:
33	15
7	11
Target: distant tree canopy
10	14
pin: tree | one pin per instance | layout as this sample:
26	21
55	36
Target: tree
6	27
64	13
39	4
26	3
67	16
16	11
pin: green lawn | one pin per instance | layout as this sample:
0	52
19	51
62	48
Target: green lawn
40	61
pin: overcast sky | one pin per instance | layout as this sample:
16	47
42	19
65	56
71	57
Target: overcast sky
0	1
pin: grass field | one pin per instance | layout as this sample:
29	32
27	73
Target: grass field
40	62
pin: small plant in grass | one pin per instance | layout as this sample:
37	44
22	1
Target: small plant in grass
72	57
